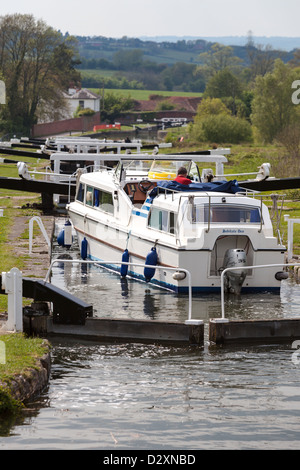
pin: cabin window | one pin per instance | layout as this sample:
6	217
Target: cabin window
103	200
96	197
172	222
106	202
223	213
162	220
89	197
80	193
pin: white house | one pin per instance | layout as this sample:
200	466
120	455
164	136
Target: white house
83	98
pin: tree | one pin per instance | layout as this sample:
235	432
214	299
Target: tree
261	58
114	105
226	129
210	106
225	85
179	75
127	60
295	62
214	123
272	106
218	58
37	63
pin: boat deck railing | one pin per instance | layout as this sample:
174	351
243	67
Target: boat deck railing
282	265
275	210
190	320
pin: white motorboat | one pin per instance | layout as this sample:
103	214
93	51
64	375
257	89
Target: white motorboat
137	214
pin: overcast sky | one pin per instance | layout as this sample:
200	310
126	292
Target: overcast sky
135	18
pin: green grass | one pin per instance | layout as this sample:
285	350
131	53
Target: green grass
162	56
10	170
145	94
18	355
170	57
100	73
8	258
5	251
11	209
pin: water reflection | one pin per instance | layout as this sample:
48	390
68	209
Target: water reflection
116	297
128	298
136	396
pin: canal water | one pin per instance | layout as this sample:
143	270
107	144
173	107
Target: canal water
104	396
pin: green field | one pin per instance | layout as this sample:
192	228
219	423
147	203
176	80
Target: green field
100	73
144	94
171	57
163	55
134	93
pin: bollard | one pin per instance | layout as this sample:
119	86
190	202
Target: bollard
12	283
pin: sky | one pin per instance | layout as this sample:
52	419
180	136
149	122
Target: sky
137	18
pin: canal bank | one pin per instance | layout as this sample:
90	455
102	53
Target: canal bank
67	314
22	383
25	365
65	322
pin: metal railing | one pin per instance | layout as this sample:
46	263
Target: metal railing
40	224
283	265
189	321
290	234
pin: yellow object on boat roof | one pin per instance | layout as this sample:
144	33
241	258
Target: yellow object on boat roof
164	175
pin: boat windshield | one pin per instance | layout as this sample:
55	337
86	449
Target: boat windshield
137	165
221	213
156	169
137	168
166	169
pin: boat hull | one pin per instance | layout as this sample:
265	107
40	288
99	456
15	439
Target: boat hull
107	248
191	227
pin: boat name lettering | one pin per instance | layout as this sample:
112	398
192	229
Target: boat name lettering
229	230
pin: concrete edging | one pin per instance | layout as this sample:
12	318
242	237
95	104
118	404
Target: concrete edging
122	330
223	331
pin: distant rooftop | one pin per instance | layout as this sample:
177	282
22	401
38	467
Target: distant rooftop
83	94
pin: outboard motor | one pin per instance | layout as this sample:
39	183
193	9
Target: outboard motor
234	258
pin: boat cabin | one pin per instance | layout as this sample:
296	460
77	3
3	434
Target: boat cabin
195	227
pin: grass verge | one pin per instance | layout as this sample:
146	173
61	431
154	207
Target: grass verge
18	355
11	202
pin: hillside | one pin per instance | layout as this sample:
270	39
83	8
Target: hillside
133	63
276	42
171	52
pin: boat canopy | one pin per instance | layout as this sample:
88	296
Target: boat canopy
230	187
